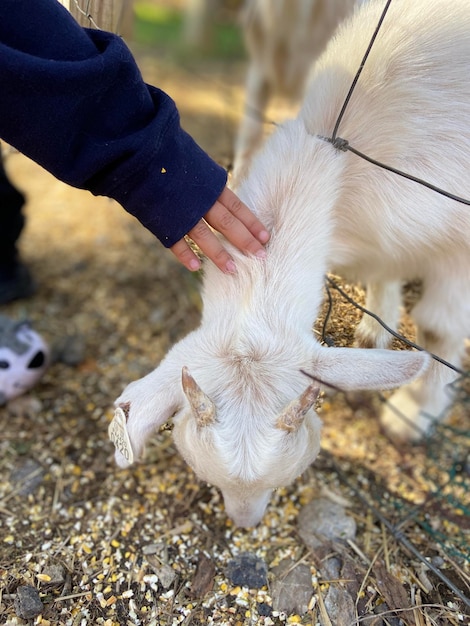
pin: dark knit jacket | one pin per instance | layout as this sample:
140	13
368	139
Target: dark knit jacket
74	101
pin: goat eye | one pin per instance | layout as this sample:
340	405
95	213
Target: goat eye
4	365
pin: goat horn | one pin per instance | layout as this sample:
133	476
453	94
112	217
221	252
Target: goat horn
293	415
201	405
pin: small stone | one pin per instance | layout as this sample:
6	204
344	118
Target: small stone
151	548
24	406
28	604
166	574
438	561
292	588
247	570
389	620
69	350
56	574
340	606
331	566
27	477
322	520
157	320
264	610
203	580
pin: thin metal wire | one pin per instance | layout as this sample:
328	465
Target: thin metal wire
346	146
409	343
86	12
343	144
396	532
328	340
359	71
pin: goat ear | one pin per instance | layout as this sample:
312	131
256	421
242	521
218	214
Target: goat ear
143	406
201	405
355	368
291	418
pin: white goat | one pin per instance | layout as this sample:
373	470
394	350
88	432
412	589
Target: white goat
282	38
253	426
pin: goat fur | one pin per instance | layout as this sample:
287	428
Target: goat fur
331	210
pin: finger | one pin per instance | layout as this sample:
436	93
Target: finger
185	255
233	203
212	247
234	230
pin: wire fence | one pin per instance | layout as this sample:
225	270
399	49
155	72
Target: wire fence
447	471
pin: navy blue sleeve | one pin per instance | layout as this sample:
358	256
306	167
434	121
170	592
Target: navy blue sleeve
74	101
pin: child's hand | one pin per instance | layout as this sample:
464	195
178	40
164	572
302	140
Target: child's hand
233	219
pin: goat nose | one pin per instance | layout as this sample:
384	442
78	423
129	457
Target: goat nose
38	360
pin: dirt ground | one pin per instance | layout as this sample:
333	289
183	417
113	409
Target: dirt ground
151	545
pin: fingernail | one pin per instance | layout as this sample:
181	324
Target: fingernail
263	236
231	267
194	264
261	254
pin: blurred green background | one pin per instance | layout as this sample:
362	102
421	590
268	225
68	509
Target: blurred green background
161	25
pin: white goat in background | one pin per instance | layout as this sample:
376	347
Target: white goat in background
248	424
283	38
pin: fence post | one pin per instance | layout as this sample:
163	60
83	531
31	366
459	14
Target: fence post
116	16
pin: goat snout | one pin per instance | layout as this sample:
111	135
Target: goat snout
246	512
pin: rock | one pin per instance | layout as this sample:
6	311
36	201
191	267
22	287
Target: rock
28	604
330	567
27	476
392	590
56	573
24	406
388	620
69	350
247	570
157	320
292	588
152	548
340	606
345	579
166	574
437	561
323	520
203	580
264	609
